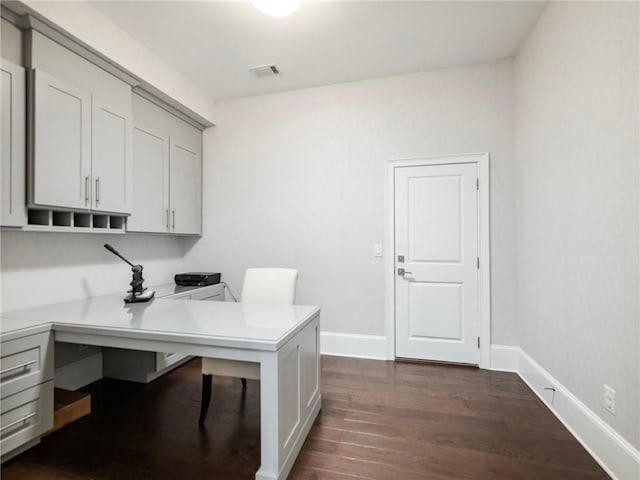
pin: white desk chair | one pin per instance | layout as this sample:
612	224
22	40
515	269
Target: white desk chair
261	285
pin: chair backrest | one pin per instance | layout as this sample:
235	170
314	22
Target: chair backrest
270	285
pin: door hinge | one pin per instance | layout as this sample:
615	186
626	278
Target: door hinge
477	184
478	342
478	262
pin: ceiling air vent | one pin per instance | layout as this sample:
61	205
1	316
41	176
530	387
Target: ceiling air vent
265	70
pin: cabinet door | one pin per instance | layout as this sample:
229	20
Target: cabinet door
61	156
111	159
184	197
150	181
13	159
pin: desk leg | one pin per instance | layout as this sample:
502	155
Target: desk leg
289	401
269	435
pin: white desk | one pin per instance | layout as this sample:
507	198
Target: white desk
284	340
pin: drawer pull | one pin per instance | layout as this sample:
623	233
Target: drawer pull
23	419
22	365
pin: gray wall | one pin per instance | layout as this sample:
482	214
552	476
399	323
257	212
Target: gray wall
40	268
576	83
298	179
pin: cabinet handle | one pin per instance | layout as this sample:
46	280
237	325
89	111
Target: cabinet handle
173	219
97	190
17	367
167	217
86	190
23	419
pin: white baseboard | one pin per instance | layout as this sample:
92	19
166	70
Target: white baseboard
504	358
78	374
353	345
616	456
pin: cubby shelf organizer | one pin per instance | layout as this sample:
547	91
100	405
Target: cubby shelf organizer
65	221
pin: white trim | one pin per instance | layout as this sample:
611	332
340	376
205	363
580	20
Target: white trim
616	456
484	227
78	374
504	358
353	345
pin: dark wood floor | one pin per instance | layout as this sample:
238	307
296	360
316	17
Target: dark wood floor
379	420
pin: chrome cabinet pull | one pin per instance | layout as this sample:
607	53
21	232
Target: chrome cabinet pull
167	218
17	367
86	190
97	190
173	222
23	419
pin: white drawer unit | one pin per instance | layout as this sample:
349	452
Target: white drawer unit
25	416
25	362
164	360
210	294
26	390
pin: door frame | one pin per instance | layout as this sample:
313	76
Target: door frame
484	313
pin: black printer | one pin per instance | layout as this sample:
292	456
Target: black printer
197	279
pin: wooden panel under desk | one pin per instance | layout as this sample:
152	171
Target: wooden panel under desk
69	406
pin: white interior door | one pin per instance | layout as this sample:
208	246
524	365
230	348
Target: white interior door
436	248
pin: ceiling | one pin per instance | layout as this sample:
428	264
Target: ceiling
214	43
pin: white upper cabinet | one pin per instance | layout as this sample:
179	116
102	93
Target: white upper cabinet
60	158
111	158
185	167
80	146
151	178
167	172
81	155
13	143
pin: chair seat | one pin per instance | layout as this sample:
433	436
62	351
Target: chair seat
231	368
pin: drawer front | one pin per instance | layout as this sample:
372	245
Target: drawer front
163	360
212	298
25	362
183	296
25	416
213	292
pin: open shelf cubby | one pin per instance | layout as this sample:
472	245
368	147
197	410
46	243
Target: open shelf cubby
61	219
101	221
116	222
82	220
42	219
39	217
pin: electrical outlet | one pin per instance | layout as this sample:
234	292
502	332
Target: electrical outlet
610	399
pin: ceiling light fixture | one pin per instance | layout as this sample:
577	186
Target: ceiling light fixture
276	8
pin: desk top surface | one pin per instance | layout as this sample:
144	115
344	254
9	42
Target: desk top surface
257	326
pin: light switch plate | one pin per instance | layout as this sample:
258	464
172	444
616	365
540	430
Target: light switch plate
377	250
610	399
